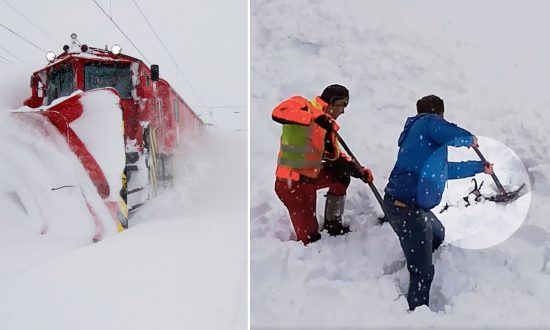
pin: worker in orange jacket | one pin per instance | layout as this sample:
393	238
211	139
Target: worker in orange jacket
310	159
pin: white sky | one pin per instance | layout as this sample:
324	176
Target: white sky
207	39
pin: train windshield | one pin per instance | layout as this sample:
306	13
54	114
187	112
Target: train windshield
116	75
60	82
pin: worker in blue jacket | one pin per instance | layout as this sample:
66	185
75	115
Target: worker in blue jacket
416	185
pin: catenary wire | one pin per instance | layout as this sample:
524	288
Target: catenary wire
29	42
115	24
178	67
168	53
8	52
2	57
30	21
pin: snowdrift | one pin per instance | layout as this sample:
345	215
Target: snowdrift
46	193
490	74
181	264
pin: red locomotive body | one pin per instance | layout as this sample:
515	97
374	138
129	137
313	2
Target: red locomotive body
155	119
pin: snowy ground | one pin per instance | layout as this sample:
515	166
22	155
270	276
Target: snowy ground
181	264
488	61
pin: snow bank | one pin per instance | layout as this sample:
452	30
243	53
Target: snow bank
44	193
182	263
492	76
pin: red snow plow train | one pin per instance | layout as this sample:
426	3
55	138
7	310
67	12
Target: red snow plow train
119	118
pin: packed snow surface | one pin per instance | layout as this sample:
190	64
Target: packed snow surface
488	61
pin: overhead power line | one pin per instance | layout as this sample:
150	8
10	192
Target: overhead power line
7	51
3	58
168	53
30	21
29	42
114	23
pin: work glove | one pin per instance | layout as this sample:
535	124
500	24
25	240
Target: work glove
488	168
474	142
366	175
325	121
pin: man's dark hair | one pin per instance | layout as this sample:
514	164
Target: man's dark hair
334	93
430	104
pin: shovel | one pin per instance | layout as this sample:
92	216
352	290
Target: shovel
503	196
371	185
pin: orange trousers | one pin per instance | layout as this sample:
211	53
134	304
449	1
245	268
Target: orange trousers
300	198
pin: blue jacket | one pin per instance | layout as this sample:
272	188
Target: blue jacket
421	171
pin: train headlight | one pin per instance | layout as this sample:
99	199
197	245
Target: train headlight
50	56
116	49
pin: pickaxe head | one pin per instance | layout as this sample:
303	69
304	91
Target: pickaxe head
508	196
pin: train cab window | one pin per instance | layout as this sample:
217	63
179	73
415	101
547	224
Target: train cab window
60	82
41	90
176	110
116	75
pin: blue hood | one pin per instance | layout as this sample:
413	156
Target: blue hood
408	124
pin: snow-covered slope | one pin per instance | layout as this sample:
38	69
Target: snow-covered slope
488	62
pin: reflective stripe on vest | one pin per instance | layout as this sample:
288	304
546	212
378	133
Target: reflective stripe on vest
299	163
296	149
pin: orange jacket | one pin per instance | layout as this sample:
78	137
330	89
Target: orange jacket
302	141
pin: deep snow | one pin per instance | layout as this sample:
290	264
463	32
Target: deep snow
488	61
183	262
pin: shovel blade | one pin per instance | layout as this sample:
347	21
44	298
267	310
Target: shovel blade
508	197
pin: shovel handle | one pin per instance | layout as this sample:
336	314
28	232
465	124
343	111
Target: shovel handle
494	176
346	148
377	195
354	159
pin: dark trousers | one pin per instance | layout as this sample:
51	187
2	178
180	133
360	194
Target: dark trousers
420	233
300	198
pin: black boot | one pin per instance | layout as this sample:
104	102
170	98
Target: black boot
314	237
336	228
334	209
